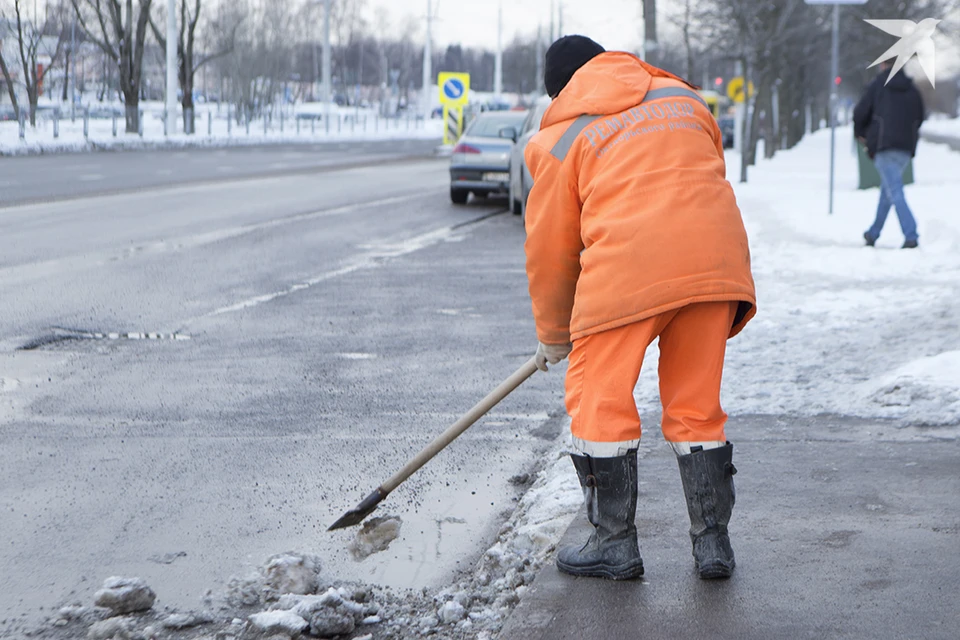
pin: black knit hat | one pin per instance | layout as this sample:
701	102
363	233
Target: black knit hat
564	57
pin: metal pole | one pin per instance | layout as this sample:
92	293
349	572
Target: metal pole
739	115
427	65
553	24
539	58
643	33
171	67
498	61
775	115
326	61
71	73
834	72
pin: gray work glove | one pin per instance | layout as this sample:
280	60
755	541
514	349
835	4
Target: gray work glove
552	353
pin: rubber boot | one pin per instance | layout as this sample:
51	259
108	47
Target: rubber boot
610	493
708	486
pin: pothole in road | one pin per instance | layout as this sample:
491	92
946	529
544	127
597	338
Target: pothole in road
59	335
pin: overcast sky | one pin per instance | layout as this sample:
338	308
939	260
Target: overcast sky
615	24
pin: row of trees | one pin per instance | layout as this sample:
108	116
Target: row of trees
120	30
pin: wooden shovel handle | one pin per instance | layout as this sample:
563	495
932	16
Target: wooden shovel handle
461	425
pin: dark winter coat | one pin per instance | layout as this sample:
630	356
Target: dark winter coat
889	114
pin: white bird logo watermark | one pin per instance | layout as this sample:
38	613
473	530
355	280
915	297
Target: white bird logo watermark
915	39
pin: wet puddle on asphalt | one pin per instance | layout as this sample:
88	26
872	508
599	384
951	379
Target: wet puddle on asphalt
444	533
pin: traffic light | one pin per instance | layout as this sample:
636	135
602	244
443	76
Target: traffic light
836	81
718	81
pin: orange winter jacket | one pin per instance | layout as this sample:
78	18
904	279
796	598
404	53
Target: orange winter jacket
630	214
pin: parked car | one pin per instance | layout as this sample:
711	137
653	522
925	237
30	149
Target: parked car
520	179
727	125
480	162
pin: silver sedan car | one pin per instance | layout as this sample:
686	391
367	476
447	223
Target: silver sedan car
480	163
520	179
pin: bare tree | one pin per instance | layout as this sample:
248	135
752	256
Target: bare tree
349	25
33	43
8	80
756	34
263	58
188	61
120	30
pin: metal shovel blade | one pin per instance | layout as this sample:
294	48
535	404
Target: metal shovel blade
356	516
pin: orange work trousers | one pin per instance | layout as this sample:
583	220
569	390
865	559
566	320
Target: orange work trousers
604	369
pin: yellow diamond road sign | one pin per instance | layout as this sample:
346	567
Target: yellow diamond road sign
735	89
454	88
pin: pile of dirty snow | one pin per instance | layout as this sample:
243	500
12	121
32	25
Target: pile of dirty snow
924	392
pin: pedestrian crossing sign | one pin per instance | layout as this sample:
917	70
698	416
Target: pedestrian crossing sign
454	88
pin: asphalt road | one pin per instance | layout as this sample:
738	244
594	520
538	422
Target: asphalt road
315	330
67	176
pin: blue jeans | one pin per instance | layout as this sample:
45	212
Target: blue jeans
890	165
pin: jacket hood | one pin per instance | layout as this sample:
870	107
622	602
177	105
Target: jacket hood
899	82
609	83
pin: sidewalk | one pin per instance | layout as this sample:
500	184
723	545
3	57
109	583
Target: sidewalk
836	536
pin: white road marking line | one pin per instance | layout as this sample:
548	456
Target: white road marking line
91	177
373	258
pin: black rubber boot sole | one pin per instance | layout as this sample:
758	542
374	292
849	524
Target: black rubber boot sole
627	571
715	571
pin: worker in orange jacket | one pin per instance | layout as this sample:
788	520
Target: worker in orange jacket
633	234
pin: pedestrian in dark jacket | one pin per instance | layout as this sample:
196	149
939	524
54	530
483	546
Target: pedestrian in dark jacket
887	121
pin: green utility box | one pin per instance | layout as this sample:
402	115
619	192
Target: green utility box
868	173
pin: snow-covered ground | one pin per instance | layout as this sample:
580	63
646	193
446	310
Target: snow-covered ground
843	328
943	126
212	129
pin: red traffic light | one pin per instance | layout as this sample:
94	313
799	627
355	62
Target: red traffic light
718	81
836	81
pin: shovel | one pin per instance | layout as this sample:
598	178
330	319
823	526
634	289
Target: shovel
368	504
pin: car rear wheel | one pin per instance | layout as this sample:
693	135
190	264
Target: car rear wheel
459	196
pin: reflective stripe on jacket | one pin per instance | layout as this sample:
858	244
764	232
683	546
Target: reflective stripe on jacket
630	214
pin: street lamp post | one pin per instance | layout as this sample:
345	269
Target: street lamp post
834	72
326	64
498	61
428	62
171	101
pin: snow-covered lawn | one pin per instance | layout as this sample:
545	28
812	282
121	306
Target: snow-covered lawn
843	328
212	129
943	126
